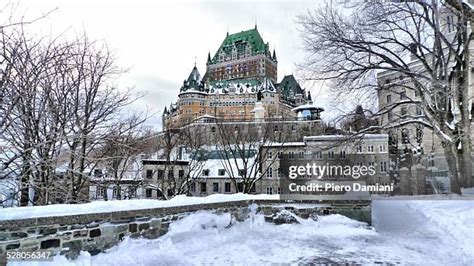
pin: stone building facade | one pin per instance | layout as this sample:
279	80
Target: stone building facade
163	178
369	150
242	68
213	175
415	147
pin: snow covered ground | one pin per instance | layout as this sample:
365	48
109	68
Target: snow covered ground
121	205
407	232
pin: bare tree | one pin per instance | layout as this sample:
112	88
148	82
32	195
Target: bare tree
66	107
121	158
239	146
350	46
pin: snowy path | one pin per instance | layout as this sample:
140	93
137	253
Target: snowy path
408	233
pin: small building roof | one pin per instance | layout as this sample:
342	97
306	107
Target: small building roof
308	106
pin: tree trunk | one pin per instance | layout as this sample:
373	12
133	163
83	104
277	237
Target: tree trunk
453	165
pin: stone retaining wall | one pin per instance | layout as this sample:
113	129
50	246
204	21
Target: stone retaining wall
68	235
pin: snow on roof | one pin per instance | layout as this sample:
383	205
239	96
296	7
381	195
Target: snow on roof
215	162
192	90
308	106
344	137
286	144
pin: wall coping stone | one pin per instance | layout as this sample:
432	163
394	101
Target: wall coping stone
118	215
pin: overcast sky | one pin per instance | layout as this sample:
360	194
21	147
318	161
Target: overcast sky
159	40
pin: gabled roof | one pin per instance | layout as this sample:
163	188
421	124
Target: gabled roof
289	87
267	85
194	75
242	38
193	83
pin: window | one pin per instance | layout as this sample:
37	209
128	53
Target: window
279	172
227	187
269	190
215	187
100	192
170	193
159	194
205	172
97	172
149	174
240	187
403	95
291	155
403	111
170	174
161	173
221	172
419	111
390	116
383	167
389	99
269	172
405	136
114	193
342	154
242	172
331	154
213	129
382	149
318	154
132	192
370	149
431	160
269	155
419	134
203	187
450	23
279	190
148	192
359	148
193	187
301	155
181	173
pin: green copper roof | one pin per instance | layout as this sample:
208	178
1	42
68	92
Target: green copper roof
289	87
240	39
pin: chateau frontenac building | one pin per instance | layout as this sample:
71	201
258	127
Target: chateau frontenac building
242	67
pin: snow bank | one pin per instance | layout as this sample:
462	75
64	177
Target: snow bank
206	238
424	232
452	220
122	205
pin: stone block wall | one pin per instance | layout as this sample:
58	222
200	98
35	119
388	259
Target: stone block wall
94	233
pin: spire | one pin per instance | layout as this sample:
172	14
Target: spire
274	57
165	112
309	96
209	57
255	23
